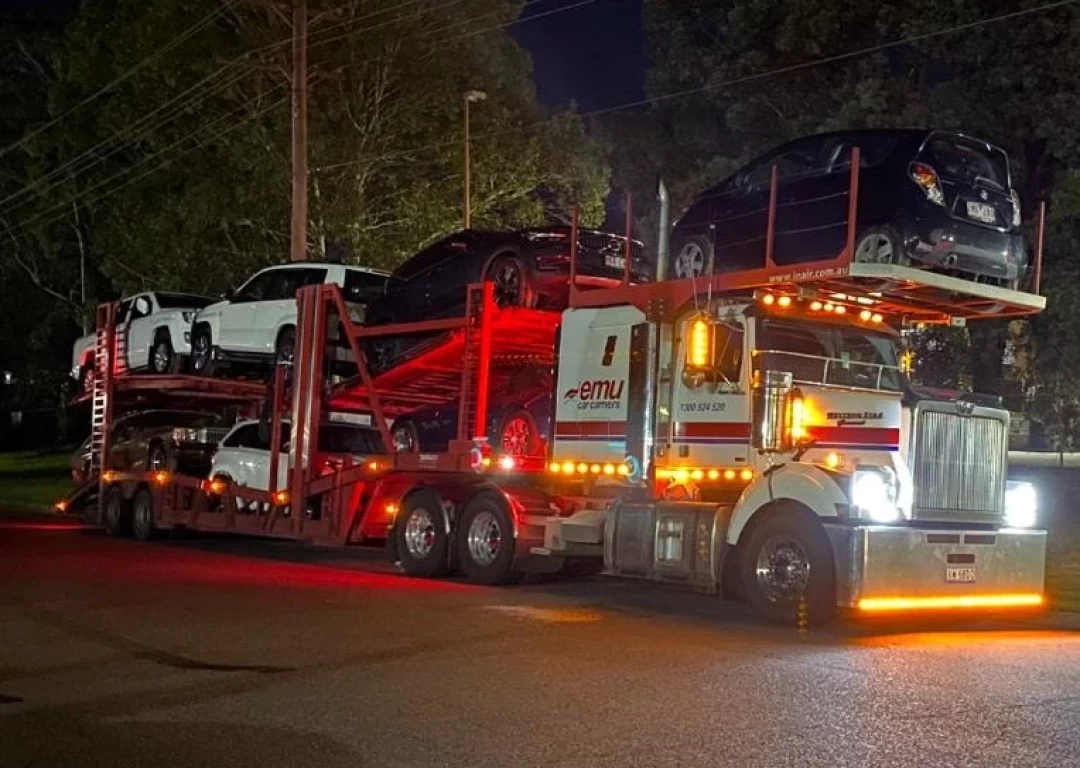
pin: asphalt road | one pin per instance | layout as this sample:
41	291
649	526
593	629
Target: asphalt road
233	653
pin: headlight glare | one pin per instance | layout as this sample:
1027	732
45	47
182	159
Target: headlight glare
874	494
1021	505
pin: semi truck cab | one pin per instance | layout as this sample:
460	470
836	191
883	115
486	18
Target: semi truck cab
776	456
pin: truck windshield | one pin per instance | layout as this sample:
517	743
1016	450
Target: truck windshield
828	354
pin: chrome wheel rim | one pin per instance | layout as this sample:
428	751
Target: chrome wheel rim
285	353
782	569
507	278
516	436
690	262
485	538
200	352
875	249
161	358
420	533
403	440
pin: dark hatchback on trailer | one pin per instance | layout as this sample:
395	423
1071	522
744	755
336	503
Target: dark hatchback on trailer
934	198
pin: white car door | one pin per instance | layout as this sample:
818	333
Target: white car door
279	306
140	329
237	318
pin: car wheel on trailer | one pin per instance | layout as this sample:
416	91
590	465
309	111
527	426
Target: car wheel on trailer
86	378
692	256
117	517
518	435
511	278
162	357
142	516
485	540
284	349
157	458
787	560
421	536
405	437
881	245
202	351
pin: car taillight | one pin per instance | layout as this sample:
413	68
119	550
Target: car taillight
1016	208
927	178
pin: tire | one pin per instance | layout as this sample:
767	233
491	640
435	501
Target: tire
421	537
86	378
485	541
117	517
786	555
285	347
157	458
691	257
405	437
518	435
142	516
511	278
202	351
162	357
880	245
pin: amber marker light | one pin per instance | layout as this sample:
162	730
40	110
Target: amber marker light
945	602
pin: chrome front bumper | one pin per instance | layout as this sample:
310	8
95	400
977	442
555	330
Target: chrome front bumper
924	567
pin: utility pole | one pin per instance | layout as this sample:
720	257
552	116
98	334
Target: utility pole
470	97
299	131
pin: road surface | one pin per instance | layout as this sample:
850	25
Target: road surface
237	653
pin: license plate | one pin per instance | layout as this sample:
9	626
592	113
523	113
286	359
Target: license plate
615	262
981	212
960	575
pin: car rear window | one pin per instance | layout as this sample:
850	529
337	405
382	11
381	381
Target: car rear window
968	161
363	287
182	301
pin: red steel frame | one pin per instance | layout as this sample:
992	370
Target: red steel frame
911	299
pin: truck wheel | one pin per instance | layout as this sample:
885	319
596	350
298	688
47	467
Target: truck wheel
485	540
162	357
202	351
117	513
422	539
784	559
142	516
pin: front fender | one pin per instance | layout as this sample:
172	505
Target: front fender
808	484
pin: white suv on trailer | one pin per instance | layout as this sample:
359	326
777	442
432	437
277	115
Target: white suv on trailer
257	322
157	329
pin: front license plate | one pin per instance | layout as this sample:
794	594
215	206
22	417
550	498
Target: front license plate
615	262
960	575
981	212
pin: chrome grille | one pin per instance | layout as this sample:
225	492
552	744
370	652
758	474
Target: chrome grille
958	462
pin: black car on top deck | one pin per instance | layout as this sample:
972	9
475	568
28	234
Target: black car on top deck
529	268
934	198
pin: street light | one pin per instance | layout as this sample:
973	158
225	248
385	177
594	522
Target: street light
470	97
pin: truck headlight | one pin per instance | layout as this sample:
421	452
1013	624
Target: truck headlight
874	492
1021	504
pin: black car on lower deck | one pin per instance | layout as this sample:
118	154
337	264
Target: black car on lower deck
943	200
529	268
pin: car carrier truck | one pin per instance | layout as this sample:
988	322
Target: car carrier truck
747	433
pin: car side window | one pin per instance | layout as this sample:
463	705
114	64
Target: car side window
246	436
140	307
433	255
257	288
729	350
363	287
289	281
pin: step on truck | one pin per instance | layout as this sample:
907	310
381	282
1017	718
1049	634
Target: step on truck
747	433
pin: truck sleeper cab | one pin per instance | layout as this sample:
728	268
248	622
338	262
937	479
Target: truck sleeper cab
786	466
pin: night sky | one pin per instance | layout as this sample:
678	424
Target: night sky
593	55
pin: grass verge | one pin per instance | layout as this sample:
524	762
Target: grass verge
33	479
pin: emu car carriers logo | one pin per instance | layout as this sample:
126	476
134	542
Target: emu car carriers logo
596	394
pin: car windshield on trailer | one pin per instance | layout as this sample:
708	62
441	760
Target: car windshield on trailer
182	301
347	438
829	354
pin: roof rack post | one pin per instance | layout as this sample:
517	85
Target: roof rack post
853	204
628	251
483	380
275	427
575	214
770	226
1040	233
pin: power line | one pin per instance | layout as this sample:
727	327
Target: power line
135	131
26	226
727	83
180	39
